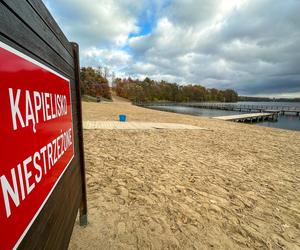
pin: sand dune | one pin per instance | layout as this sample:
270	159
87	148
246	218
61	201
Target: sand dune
236	186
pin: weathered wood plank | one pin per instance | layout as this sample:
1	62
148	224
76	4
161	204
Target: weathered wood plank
28	15
33	56
83	204
43	12
12	28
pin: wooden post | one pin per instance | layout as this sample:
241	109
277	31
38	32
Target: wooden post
83	204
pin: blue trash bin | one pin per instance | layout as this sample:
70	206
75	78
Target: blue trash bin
122	118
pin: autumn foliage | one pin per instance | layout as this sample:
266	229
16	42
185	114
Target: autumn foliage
150	91
94	83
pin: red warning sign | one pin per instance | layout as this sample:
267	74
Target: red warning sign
36	140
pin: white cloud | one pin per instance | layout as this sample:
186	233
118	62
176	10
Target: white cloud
115	60
249	45
233	44
97	22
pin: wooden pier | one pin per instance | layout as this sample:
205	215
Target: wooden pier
270	108
252	117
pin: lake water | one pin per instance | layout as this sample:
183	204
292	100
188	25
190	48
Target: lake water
290	122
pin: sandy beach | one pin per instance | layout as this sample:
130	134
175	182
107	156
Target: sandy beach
234	186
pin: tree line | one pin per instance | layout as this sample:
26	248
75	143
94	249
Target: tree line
266	99
93	82
151	91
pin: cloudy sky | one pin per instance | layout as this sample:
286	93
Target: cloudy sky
252	46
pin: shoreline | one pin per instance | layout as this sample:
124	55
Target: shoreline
287	121
236	186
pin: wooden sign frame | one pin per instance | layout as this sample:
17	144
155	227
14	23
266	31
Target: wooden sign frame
28	27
